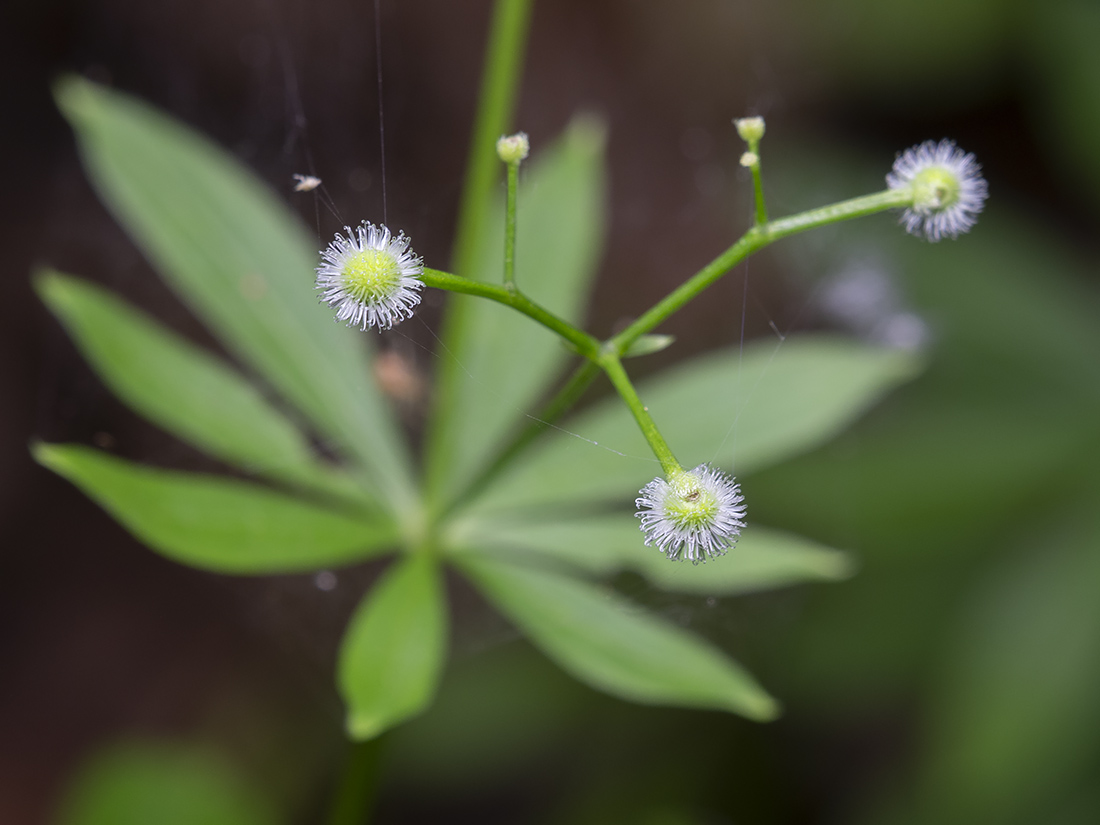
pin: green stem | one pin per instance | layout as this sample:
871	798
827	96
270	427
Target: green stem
584	343
353	801
560	404
499	84
606	356
510	225
758	186
621	381
756	238
836	212
745	246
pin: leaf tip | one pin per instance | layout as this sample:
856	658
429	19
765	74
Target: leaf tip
361	726
75	96
762	708
841	566
49	284
587	133
44	454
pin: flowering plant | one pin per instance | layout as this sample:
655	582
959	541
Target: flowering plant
526	511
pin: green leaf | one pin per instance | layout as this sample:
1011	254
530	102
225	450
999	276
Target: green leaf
612	645
241	261
137	783
1065	87
871	48
602	545
496	363
1014	718
393	650
181	387
217	523
733	410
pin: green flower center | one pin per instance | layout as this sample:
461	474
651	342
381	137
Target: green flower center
689	506
371	276
934	189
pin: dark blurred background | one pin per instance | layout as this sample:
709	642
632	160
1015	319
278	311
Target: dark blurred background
953	679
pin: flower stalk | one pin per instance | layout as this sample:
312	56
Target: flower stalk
606	356
751	130
511	150
611	365
937	185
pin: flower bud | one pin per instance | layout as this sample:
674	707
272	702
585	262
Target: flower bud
513	148
751	129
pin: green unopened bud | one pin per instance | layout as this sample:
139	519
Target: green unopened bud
513	148
751	129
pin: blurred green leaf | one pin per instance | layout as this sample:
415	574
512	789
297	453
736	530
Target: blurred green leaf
1015	711
142	783
927	488
179	386
1066	87
216	523
762	559
241	262
1015	343
938	56
728	408
1015	310
496	717
496	363
394	647
614	645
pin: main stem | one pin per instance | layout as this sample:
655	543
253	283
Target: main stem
353	801
499	87
499	82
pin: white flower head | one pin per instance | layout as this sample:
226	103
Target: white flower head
694	514
371	277
948	189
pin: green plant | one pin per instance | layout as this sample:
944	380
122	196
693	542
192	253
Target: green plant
531	515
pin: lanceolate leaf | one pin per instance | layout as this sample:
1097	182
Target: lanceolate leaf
761	560
241	262
739	411
611	644
393	650
179	386
496	363
215	523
